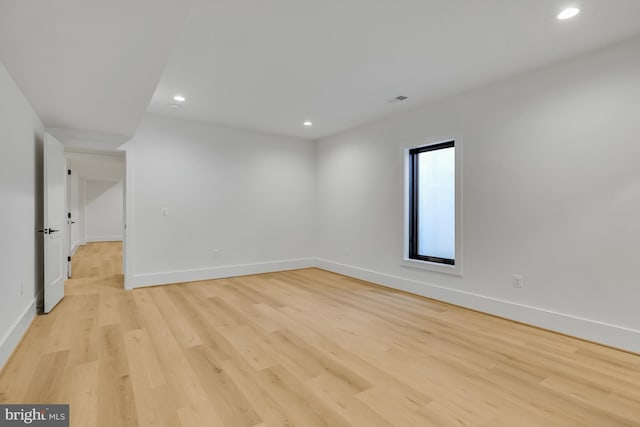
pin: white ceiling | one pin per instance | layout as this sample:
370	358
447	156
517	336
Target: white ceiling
90	65
270	65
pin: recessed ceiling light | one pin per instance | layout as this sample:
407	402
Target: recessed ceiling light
179	98
568	13
307	123
175	106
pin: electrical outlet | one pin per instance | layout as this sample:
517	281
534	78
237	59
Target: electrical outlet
518	281
164	211
21	288
346	251
216	253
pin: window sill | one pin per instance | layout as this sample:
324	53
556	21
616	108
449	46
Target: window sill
454	270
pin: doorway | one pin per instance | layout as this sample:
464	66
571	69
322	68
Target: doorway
95	210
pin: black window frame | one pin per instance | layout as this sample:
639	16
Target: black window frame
413	202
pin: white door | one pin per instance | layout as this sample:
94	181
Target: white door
55	256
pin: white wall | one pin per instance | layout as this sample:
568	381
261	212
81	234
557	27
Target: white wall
248	195
97	165
20	213
103	211
551	191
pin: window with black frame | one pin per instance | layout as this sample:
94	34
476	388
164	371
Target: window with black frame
432	203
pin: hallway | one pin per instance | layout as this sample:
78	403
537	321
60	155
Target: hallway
95	262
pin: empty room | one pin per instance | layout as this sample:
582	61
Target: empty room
310	213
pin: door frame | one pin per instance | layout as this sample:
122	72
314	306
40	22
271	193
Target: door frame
128	242
82	215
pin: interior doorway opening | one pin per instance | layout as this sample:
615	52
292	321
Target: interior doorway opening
95	200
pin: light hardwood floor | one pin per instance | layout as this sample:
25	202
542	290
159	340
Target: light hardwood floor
303	348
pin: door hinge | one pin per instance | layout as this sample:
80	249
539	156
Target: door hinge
69	258
68	171
69	215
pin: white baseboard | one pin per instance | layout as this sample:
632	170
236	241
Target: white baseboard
592	330
181	276
10	341
588	329
96	239
75	247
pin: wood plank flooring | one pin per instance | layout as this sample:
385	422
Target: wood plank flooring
303	348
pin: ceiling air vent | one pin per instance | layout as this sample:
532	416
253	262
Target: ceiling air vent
399	98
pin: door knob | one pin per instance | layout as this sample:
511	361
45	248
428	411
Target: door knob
48	231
